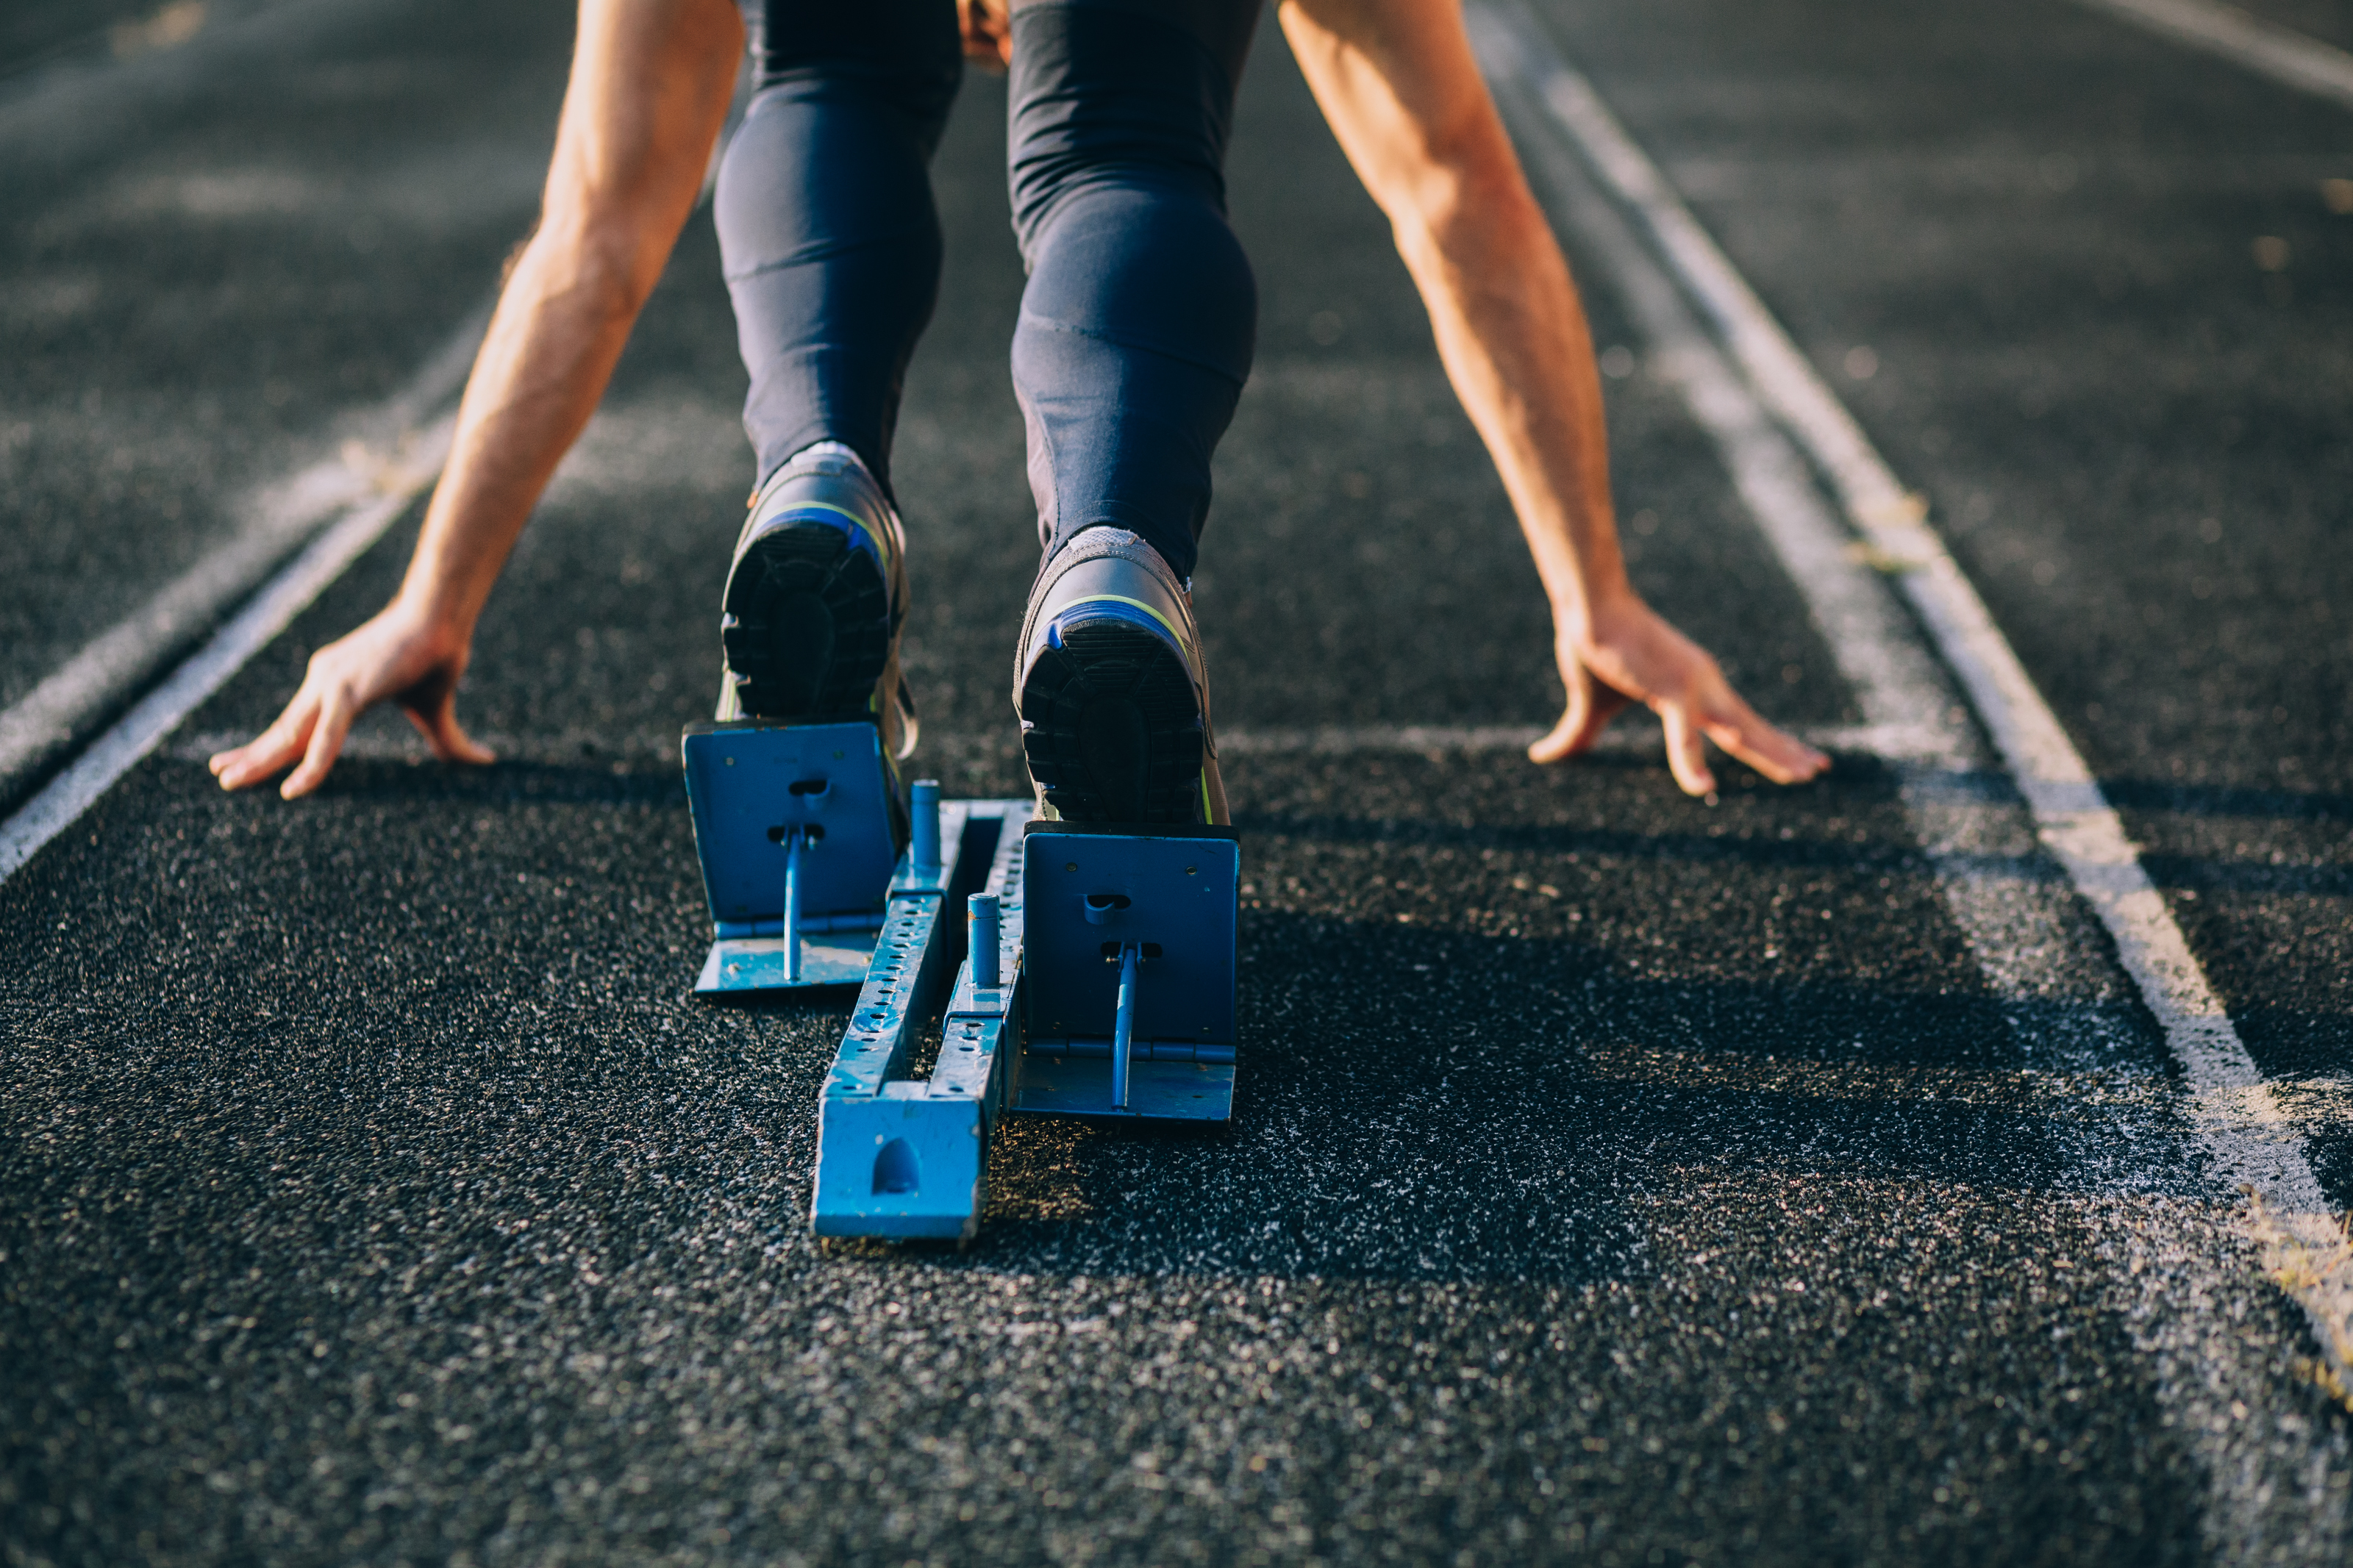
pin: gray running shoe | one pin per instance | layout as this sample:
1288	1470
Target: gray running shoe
815	598
1114	699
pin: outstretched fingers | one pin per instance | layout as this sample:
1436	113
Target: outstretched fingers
336	711
396	654
1781	756
438	722
1637	656
271	752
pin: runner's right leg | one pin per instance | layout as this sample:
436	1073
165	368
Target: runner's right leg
831	249
1134	342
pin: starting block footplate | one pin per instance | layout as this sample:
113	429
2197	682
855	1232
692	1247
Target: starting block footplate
790	818
1147	913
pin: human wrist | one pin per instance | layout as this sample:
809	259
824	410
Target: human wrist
436	616
1585	614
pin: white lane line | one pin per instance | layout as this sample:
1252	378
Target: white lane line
1873	740
401	745
583	747
1913	717
2249	1141
2245	1138
76	103
270	611
379	458
2280	53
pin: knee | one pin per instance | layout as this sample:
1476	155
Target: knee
814	172
1148	268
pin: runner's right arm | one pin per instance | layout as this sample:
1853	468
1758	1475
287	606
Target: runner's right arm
651	84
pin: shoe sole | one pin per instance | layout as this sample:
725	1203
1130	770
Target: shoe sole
1110	727
806	625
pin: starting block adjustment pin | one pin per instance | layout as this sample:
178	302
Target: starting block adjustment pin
981	926
923	815
1122	1029
793	840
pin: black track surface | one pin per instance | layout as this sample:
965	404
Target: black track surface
1614	1178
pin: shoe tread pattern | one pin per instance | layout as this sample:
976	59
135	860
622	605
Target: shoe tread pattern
798	562
1108	659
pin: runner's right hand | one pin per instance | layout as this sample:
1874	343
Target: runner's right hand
398	656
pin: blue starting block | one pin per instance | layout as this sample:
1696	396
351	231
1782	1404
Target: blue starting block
905	1157
1128	971
1097	980
798	828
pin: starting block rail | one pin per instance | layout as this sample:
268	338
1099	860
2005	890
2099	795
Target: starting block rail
1075	970
903	1157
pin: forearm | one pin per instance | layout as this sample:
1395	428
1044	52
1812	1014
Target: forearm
559	329
1397	84
1515	343
649	87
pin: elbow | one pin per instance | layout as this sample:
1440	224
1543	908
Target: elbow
1468	199
1474	220
603	260
623	264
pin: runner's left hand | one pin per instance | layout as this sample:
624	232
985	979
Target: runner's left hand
399	657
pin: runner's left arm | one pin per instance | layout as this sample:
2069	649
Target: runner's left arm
1398	82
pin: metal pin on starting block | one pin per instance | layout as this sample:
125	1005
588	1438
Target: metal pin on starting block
1122	1028
982	939
924	825
796	844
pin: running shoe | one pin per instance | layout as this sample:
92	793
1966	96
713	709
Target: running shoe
816	594
1114	699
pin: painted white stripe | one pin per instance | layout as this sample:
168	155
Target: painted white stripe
1891	740
79	102
286	595
402	744
378	459
397	743
2077	823
2246	1140
2277	52
1913	716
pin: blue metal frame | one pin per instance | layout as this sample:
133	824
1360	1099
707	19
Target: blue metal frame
1128	972
901	1157
1118	947
796	828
